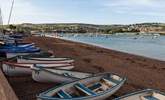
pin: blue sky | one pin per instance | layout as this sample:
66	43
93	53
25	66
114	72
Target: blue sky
85	11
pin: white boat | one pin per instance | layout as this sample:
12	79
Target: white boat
16	69
57	75
97	87
11	55
39	55
21	69
44	60
147	94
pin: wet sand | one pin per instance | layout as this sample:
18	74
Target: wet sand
141	72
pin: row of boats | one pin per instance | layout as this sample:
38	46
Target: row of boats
75	85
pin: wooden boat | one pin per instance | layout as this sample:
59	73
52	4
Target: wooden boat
9	53
147	94
38	55
57	75
17	46
1	42
17	36
15	69
21	69
96	87
45	60
30	49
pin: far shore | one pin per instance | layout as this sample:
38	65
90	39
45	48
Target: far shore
141	72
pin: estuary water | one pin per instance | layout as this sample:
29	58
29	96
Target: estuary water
148	46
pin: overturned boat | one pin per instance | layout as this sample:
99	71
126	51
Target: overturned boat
23	59
97	87
147	94
57	75
21	69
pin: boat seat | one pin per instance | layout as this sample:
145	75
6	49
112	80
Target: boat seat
95	86
84	89
110	82
148	98
63	94
66	74
159	96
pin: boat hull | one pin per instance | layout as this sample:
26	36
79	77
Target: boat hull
22	69
139	95
57	75
10	55
100	96
13	70
46	77
43	61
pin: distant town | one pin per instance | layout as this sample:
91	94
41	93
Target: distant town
85	28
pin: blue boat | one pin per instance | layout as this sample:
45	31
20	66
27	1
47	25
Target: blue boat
18	45
12	52
16	36
20	50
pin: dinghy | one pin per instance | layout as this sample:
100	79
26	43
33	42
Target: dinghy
57	75
46	60
17	36
17	46
2	43
21	69
15	69
97	87
148	94
38	55
12	52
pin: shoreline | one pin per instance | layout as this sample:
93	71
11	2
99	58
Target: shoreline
103	47
141	72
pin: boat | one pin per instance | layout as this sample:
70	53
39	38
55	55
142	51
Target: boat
18	45
17	36
41	54
2	43
7	39
12	52
147	94
21	69
57	75
46	60
97	87
14	69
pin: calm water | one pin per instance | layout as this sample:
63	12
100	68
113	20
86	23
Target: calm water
149	46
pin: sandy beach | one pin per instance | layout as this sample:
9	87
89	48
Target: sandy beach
141	72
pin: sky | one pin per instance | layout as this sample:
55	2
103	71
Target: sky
84	11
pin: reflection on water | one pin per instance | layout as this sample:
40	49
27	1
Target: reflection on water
149	46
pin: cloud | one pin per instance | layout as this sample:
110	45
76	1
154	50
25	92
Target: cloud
137	7
85	11
27	11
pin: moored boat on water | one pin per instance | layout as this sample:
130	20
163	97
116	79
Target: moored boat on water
40	74
97	87
147	94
